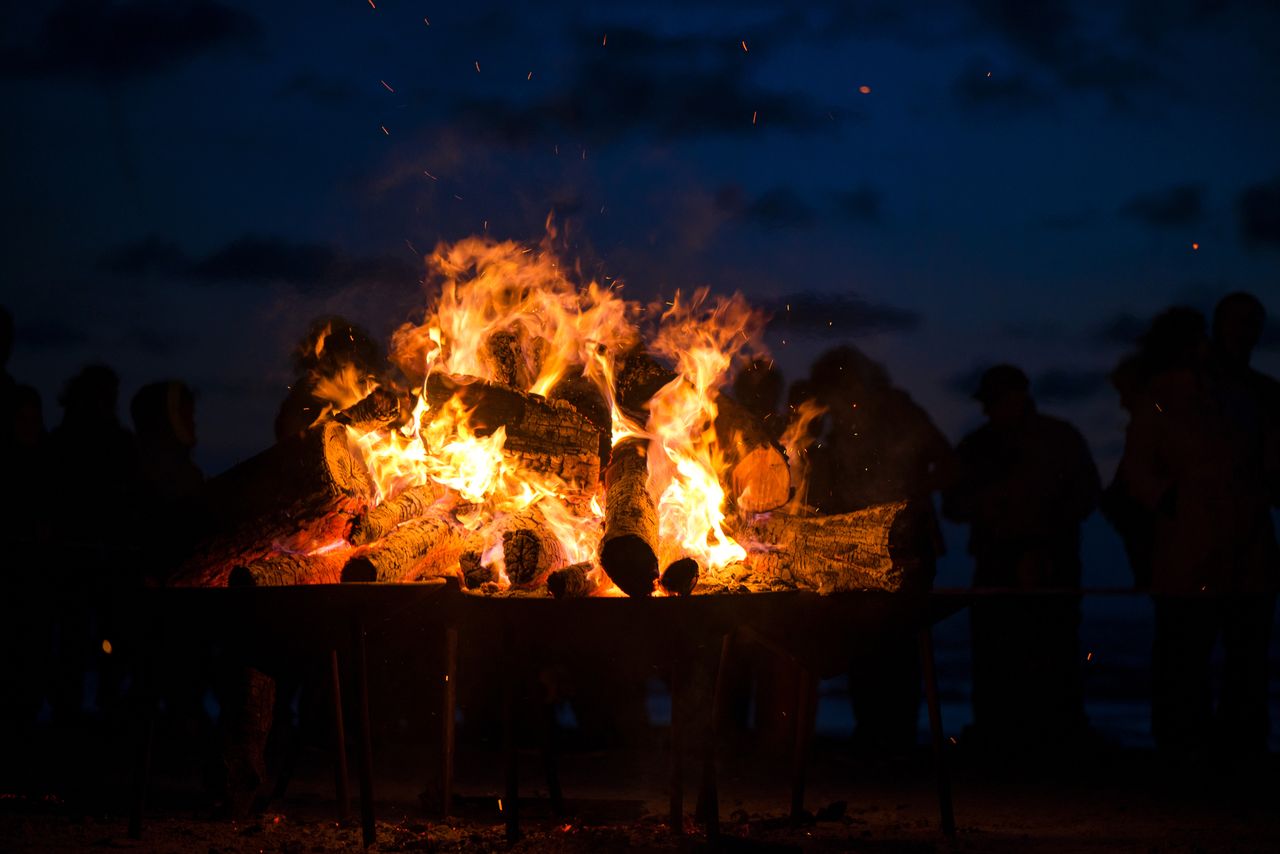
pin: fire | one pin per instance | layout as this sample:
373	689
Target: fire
515	316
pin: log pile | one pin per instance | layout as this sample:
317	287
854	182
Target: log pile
304	511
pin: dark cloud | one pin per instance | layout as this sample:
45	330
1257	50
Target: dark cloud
254	260
97	40
1068	385
780	207
843	315
328	91
1123	329
1259	209
1069	221
670	86
52	334
979	88
1177	206
861	204
153	255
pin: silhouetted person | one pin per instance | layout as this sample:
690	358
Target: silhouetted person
880	446
333	360
1175	341
758	387
1025	482
1197	458
164	419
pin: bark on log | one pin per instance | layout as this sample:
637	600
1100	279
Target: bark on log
381	520
530	551
546	436
629	547
871	549
382	408
757	473
297	496
513	360
572	582
280	570
474	571
680	577
425	547
585	397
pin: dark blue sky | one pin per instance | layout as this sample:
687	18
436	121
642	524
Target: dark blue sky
188	183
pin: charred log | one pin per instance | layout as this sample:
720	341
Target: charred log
280	570
871	549
426	547
585	397
381	520
380	409
298	495
546	436
680	577
513	360
474	571
629	547
572	582
530	551
759	479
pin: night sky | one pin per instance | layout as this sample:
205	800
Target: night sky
947	185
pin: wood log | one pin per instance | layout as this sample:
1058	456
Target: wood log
381	409
871	549
379	521
629	547
757	476
529	550
573	582
546	436
585	397
296	496
284	569
426	547
680	577
474	571
512	359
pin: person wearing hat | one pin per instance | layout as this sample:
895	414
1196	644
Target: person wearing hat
1024	483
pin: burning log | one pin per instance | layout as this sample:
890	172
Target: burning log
758	476
420	548
869	549
585	397
530	551
629	547
546	436
381	520
298	495
680	577
285	569
572	582
514	360
380	409
474	571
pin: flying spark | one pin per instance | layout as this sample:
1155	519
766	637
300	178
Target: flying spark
754	115
429	175
605	40
530	77
1195	247
372	5
426	21
477	66
386	85
744	46
384	130
866	90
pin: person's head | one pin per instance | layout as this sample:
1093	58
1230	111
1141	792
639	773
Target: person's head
1005	394
165	411
6	336
1237	326
28	417
847	375
332	342
90	396
758	387
1175	339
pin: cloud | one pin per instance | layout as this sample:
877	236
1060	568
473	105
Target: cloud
817	315
257	260
1068	385
1123	329
979	88
1177	206
861	204
1259	210
95	39
785	207
1069	221
670	86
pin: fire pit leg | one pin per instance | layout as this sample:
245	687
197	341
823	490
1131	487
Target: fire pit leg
340	773
551	757
709	802
676	808
510	678
364	741
447	735
935	730
806	685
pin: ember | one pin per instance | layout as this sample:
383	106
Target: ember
538	434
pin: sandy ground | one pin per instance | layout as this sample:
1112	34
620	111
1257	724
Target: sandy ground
1113	801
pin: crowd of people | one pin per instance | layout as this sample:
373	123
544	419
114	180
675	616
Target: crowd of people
1191	500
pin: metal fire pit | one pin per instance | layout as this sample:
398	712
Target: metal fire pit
816	632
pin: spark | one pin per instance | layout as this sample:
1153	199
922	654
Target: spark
1195	247
372	5
1089	657
499	804
477	66
754	115
866	90
530	77
429	175
988	73
605	40
744	46
456	196
426	21
386	85
106	646
384	130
